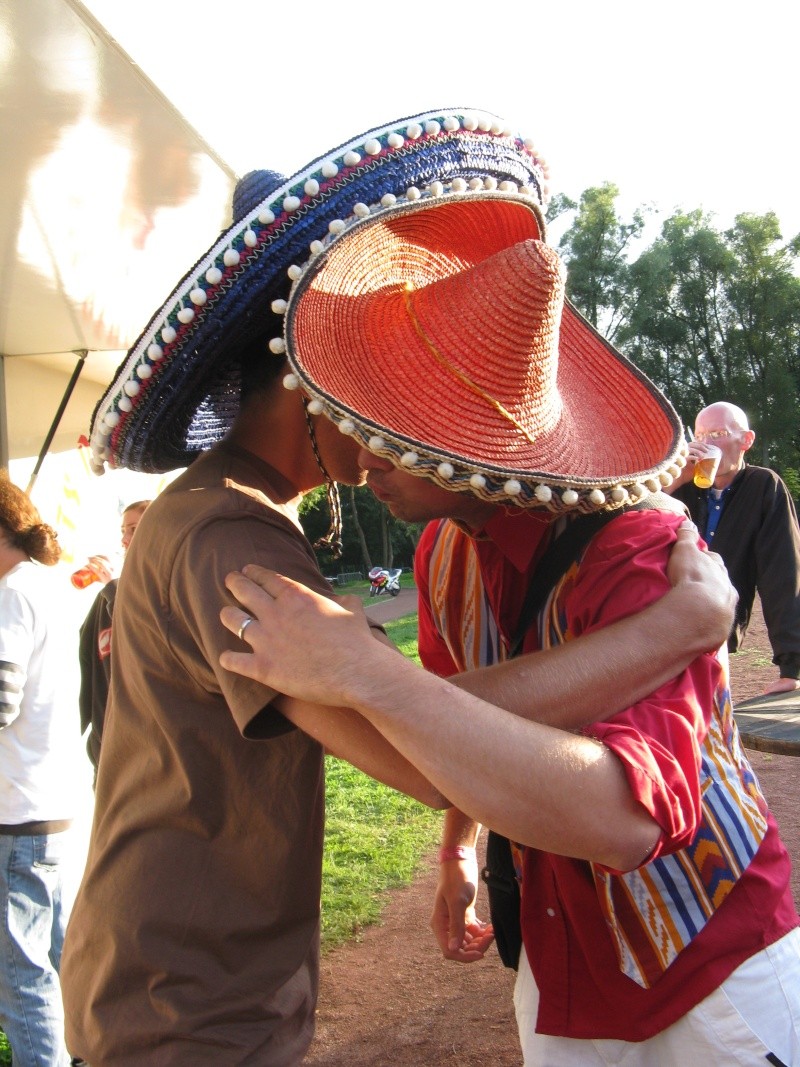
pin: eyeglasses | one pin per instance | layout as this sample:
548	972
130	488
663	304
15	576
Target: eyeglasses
713	435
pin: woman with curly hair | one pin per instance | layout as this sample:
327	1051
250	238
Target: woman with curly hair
37	716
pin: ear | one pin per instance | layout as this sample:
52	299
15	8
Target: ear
748	439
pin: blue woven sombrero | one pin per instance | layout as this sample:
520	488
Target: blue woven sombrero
177	392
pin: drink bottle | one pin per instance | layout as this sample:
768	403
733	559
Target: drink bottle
87	574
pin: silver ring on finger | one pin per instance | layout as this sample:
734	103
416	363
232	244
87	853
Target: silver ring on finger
245	623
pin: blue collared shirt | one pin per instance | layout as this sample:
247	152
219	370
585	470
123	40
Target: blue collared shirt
715	500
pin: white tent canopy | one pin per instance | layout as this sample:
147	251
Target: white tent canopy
107	197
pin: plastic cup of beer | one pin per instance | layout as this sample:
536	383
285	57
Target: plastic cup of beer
705	470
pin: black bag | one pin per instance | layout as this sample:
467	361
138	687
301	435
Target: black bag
504	898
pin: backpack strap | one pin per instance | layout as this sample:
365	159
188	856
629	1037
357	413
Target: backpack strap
499	873
565	548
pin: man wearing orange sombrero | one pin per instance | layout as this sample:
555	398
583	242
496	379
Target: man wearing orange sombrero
656	914
195	934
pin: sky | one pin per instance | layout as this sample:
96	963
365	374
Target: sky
683	105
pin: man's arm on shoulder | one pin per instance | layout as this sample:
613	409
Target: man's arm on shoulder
535	784
609	669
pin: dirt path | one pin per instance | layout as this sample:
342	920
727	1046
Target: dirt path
385	608
390	1000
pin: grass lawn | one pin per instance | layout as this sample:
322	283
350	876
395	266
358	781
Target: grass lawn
374	836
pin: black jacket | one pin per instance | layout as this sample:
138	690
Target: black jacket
759	540
94	652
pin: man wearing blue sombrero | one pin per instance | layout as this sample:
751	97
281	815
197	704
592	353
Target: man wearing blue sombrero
194	939
657	919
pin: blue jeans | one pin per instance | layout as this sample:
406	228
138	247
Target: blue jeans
31	939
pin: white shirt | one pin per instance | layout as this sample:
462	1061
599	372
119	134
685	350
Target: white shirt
39	724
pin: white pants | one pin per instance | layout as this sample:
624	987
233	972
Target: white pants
755	1012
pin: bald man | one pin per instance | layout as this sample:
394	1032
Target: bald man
749	518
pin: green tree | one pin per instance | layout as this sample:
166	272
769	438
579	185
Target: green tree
716	316
764	328
595	248
370	534
559	205
674	329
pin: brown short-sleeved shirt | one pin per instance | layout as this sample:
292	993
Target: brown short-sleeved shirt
194	938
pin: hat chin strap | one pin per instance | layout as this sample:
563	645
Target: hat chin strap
333	538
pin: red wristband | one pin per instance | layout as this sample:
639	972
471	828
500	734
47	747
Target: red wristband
456	852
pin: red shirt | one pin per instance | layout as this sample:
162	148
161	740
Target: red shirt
583	992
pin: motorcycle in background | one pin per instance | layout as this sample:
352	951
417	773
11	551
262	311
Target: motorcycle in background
382	581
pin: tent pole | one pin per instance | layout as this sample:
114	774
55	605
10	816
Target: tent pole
81	353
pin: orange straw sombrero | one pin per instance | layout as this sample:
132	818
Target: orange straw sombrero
435	331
